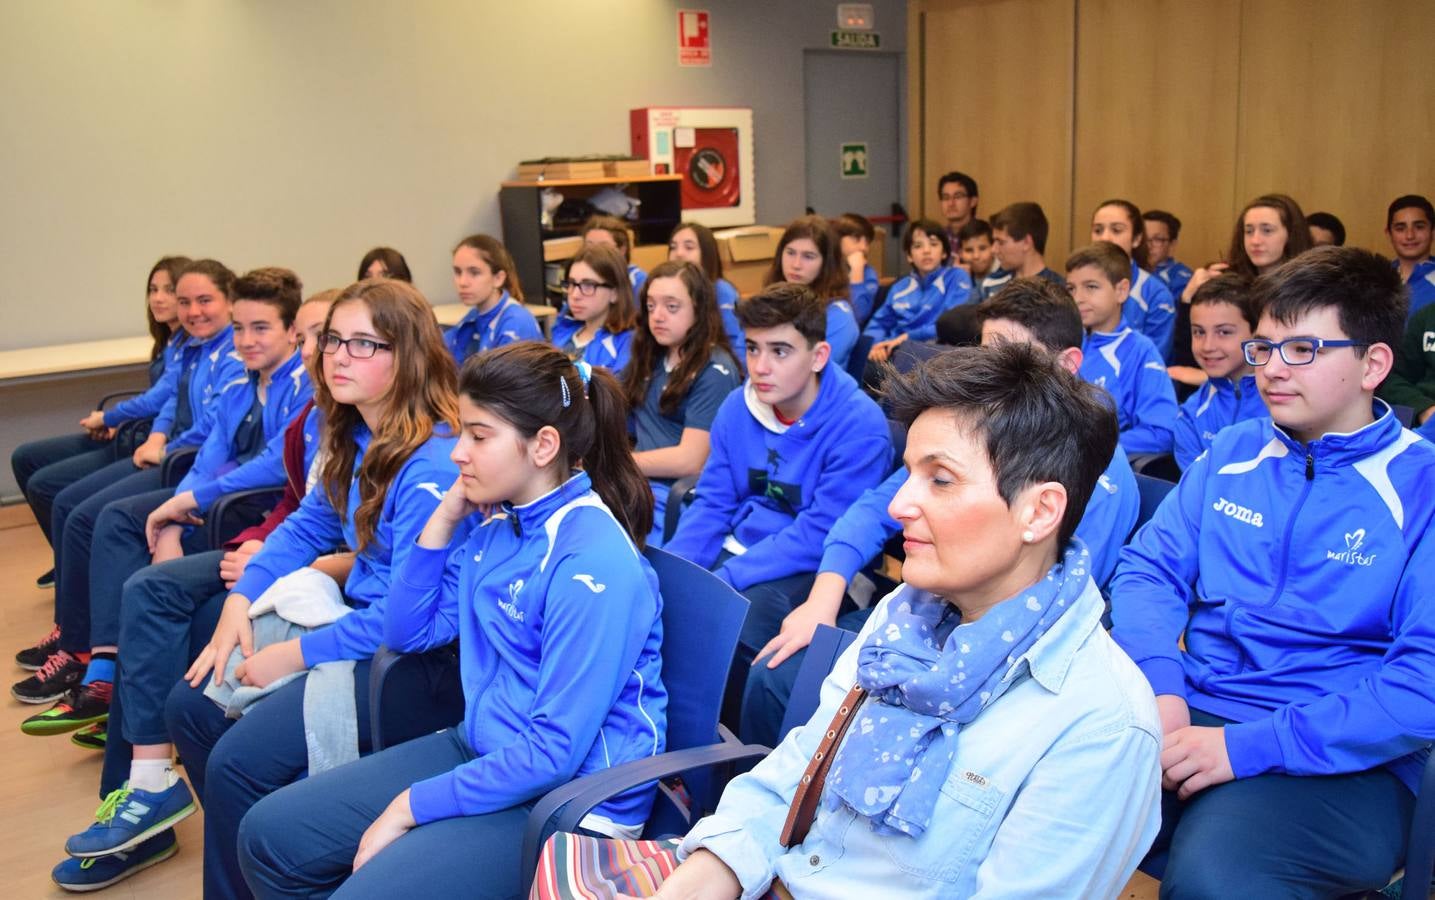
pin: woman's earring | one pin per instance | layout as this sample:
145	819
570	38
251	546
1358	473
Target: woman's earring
1027	536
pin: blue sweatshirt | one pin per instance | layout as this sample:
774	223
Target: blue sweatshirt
727	297
915	301
1422	286
1176	276
842	330
865	527
315	529
1150	310
606	349
1306	573
221	467
1215	405
559	627
203	370
1128	366
148	404
864	293
654	429
770	492
636	277
507	322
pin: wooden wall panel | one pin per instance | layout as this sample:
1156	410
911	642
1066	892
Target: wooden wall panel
998	104
1156	114
1336	107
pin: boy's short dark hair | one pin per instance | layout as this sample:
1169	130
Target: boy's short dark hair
974	229
932	229
1409	201
1364	288
855	226
1104	255
1233	288
280	288
968	183
1042	307
1330	223
1172	223
960	326
1038	421
786	303
1019	220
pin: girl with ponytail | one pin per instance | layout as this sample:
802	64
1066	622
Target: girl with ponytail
557	616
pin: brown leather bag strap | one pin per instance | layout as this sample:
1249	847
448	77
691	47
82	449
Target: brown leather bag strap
809	788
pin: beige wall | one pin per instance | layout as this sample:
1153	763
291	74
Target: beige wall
303	132
1194	107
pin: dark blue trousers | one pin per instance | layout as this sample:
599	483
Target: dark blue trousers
167	615
44	468
764	701
300	842
234	764
1276	836
76	510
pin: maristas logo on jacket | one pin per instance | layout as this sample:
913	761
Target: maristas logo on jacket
1351	555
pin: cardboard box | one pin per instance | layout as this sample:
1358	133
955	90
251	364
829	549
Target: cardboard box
561	248
625	168
647	256
754	242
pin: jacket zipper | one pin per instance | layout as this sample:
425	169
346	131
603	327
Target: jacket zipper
1284	553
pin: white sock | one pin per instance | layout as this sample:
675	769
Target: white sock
152	775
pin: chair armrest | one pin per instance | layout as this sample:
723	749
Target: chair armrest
1420	855
176	464
678	496
107	399
219	509
384	662
568	804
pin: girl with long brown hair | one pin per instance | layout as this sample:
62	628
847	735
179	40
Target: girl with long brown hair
807	253
390	414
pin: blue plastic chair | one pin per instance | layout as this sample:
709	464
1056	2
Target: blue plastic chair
1152	491
857	362
702	617
578	798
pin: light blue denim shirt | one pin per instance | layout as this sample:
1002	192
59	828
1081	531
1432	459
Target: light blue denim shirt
1055	790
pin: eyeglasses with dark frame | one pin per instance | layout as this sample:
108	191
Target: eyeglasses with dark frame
1293	351
358	347
586	288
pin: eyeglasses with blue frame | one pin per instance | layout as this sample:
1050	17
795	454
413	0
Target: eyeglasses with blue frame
1294	351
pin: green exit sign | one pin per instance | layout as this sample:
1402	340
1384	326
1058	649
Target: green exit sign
856	40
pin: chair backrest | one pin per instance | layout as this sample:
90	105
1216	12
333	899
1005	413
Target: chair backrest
1153	491
857	362
1406	414
827	644
702	617
910	354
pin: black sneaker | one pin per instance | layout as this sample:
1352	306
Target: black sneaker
91	737
56	677
85	705
47	580
33	658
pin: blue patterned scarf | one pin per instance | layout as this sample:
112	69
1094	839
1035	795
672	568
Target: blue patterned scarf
927	677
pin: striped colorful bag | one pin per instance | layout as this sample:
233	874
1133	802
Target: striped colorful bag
578	867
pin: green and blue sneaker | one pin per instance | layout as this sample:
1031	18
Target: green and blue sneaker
98	872
129	817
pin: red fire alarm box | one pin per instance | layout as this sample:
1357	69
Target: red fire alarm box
711	147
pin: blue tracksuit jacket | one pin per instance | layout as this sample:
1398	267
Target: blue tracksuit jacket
727	297
1422	286
842	330
636	277
1150	310
558	620
1306	573
1128	366
1176	276
774	491
606	349
915	301
315	528
203	369
507	322
864	293
1216	404
217	469
148	404
865	527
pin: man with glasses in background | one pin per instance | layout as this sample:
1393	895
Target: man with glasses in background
1296	560
958	193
